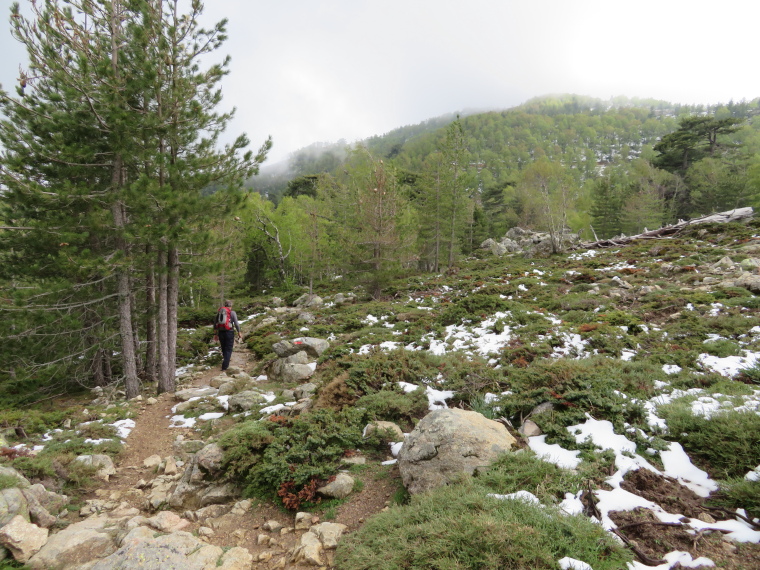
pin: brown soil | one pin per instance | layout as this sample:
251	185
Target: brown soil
152	436
666	492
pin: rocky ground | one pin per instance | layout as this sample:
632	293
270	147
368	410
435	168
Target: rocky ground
266	531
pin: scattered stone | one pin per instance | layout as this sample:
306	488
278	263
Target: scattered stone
309	550
152	462
304	521
170	467
530	429
272	525
151	401
305	390
185	395
340	488
329	533
167	521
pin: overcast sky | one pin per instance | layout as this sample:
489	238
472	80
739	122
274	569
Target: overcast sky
309	71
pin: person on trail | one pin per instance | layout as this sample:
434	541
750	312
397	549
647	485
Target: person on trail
225	326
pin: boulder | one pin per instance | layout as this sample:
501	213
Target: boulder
285	348
22	538
749	281
219	495
307	301
750	264
23	482
299	357
289	373
37	513
314	347
447	444
50	501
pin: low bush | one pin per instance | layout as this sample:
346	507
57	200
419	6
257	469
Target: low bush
461	527
395	406
738	493
726	445
287	457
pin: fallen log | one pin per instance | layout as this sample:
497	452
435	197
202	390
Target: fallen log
669	231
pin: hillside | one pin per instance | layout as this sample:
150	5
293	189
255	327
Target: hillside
576	130
627	376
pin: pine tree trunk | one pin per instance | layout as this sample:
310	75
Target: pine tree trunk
172	300
163	324
150	324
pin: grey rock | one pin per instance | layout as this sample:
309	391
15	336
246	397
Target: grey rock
104	464
391	428
328	533
219	494
22	538
305	390
12	503
340	488
289	373
307	301
217	381
37	513
306	317
299	357
245	401
749	281
304	520
185	395
209	459
448	443
285	348
183	447
227	389
309	550
152	462
530	429
289	395
724	262
76	545
314	347
750	263
50	501
23	482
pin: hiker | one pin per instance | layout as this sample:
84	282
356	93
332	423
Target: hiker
225	326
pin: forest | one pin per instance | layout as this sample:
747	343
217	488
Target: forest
122	215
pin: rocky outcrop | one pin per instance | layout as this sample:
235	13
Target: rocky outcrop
530	243
22	538
448	443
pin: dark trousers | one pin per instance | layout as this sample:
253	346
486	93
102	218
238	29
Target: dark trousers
227	341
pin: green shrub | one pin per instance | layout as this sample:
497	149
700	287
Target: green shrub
727	444
268	456
722	348
460	527
394	405
474	308
261	341
738	493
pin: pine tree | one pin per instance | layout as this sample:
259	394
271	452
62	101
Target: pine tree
114	129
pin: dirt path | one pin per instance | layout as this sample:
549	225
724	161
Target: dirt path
153	436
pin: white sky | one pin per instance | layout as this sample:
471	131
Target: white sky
309	71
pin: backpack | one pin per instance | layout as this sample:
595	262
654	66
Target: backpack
223	320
